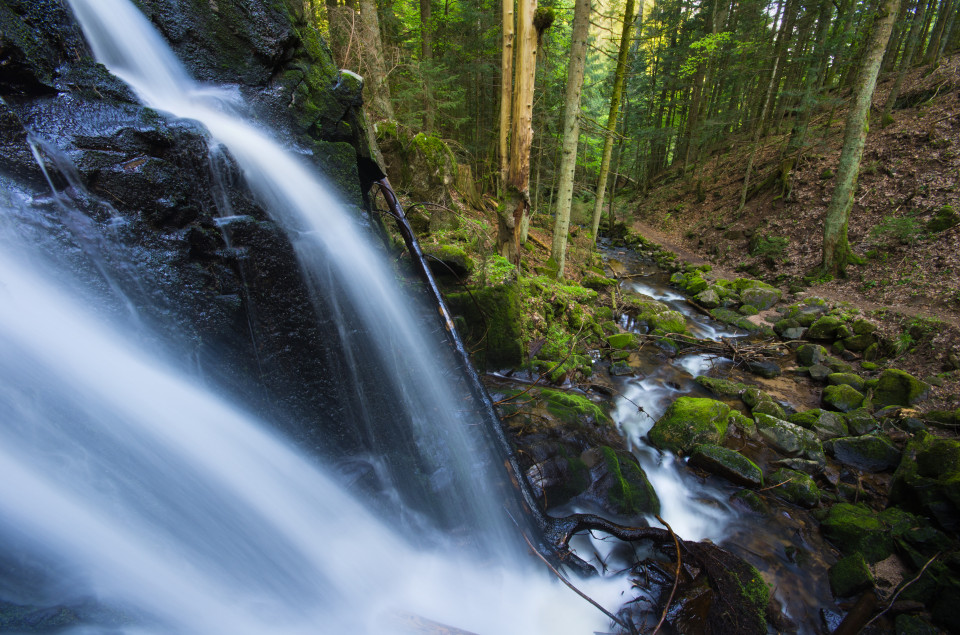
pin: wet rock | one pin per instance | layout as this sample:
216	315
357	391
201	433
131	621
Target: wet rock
764	368
619	484
842	398
850	575
871	453
728	464
690	421
819	372
806	466
789	439
825	328
850	379
825	424
492	323
928	479
811	354
621	369
795	487
448	260
896	387
559	475
751	501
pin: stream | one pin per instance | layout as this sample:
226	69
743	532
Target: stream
784	544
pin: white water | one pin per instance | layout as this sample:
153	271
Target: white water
125	484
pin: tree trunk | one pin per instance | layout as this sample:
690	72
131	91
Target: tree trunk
933	46
516	206
913	39
375	87
615	98
426	65
506	89
571	131
836	249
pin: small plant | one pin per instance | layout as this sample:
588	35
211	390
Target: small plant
904	229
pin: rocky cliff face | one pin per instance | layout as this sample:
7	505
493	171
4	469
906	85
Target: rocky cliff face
121	194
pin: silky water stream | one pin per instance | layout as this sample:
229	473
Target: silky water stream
134	498
784	544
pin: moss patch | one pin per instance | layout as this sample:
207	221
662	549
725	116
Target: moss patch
690	421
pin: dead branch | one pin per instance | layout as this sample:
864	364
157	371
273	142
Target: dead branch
901	589
676	577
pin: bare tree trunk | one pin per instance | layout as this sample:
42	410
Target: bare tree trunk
913	39
615	98
516	204
836	249
571	131
375	87
506	89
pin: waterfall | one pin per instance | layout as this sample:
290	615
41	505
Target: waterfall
134	499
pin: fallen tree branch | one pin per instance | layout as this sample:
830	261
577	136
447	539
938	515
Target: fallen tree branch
901	589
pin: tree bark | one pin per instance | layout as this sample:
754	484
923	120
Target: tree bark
571	131
375	87
618	82
836	249
516	206
913	39
506	88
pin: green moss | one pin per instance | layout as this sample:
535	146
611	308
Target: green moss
492	317
896	387
632	493
850	379
850	575
597	282
727	463
858	529
721	387
690	421
796	487
842	397
573	408
622	341
754	591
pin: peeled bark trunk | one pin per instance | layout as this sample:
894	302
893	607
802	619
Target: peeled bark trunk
506	89
375	88
571	131
836	249
615	98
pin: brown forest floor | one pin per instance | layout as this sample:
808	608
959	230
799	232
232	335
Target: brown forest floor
910	169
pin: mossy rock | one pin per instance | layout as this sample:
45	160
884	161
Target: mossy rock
795	487
693	283
939	589
944	219
448	260
898	388
823	423
859	343
769	407
570	407
842	398
850	576
789	439
751	501
858	529
906	624
808	311
928	479
727	463
669	322
690	421
870	452
599	283
811	355
729	316
708	298
620	484
850	379
493	317
721	387
825	328
760	297
622	341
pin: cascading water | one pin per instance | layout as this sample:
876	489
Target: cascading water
135	500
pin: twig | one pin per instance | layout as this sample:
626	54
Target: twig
676	577
777	485
559	575
573	344
900	590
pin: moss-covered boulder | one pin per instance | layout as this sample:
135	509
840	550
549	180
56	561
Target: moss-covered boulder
769	407
620	485
708	298
492	318
795	487
860	421
448	260
823	423
789	439
811	354
808	311
945	218
898	388
858	529
850	379
842	398
722	387
825	328
850	575
928	479
871	452
598	283
622	341
690	421
727	463
761	296
939	589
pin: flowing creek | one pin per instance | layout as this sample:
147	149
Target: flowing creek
784	543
